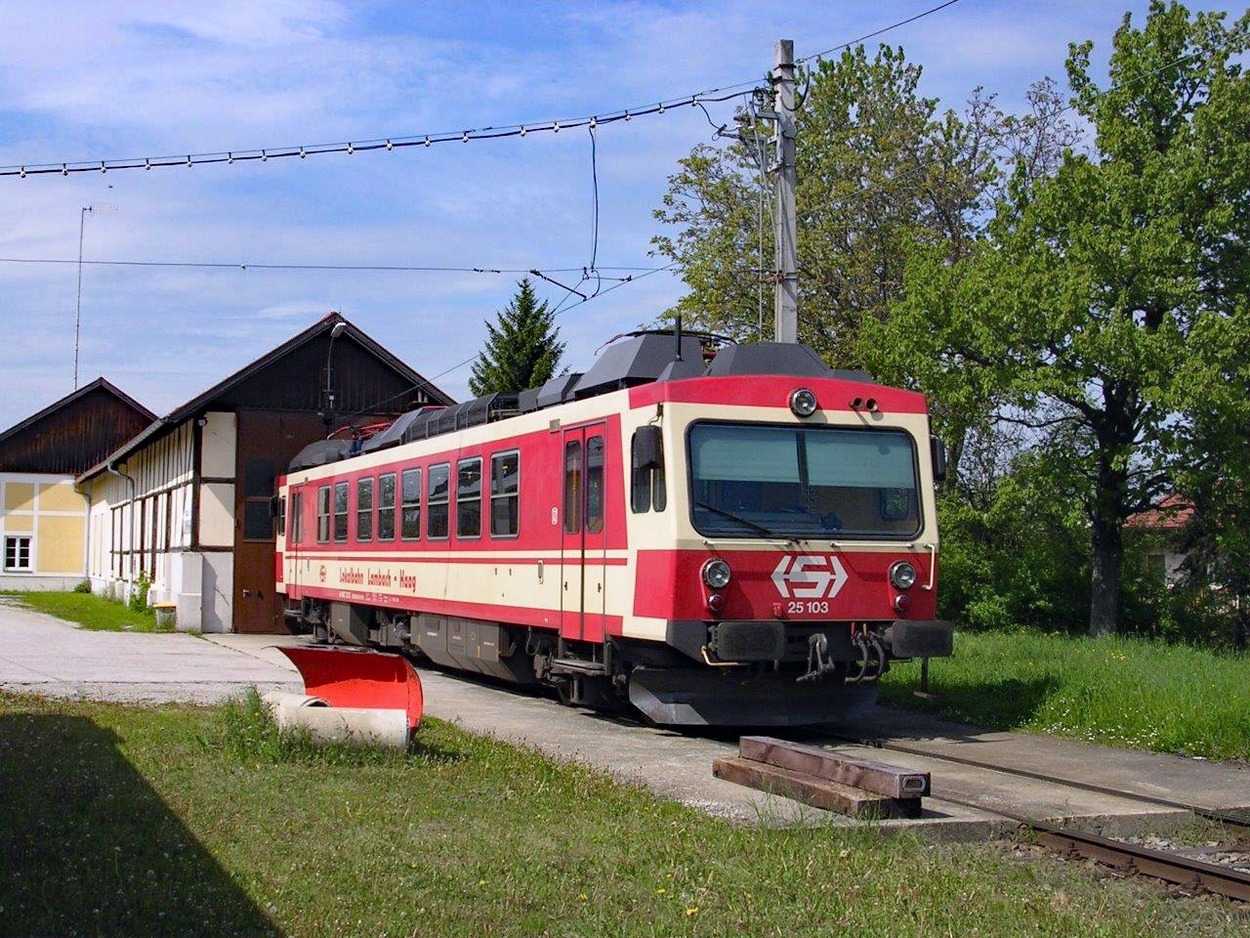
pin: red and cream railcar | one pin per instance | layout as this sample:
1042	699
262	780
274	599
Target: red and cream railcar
749	543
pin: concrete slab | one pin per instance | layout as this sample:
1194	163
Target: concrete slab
672	765
41	654
1215	786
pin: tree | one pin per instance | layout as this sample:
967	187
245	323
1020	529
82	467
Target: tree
880	171
877	168
522	347
1092	312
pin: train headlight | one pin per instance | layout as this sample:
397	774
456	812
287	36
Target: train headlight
716	574
902	575
803	402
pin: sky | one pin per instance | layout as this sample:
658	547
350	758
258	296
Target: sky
128	79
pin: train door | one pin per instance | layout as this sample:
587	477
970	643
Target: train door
583	546
299	496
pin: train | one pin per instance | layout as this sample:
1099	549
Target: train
736	536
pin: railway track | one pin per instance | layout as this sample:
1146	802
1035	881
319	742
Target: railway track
1170	866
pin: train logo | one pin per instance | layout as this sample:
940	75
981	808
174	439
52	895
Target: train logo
809	576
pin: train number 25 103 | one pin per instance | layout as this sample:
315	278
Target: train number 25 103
812	607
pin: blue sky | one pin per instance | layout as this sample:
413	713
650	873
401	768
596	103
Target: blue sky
95	81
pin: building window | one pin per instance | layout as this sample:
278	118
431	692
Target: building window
364	509
341	492
505	487
258	489
469	498
411	492
323	514
437	496
386	507
17	553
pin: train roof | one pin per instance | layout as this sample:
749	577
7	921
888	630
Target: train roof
641	358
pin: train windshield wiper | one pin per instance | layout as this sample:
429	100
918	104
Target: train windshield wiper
741	520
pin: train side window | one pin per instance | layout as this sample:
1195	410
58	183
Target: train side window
505	488
282	514
436	500
469	497
341	492
364	509
647	489
386	507
297	517
594	484
411	504
323	514
572	486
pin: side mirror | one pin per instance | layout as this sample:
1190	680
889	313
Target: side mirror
937	450
647	448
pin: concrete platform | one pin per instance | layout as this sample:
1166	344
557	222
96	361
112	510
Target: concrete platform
43	655
40	654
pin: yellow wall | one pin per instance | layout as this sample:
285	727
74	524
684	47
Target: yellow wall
60	497
59	544
54	514
19	496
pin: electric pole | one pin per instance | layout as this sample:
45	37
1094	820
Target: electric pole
785	222
103	209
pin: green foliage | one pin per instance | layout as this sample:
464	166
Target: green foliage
90	611
1114	690
139	592
1073	317
878	169
83	587
149	823
522	349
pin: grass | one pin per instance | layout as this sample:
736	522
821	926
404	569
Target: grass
1123	692
179	821
90	611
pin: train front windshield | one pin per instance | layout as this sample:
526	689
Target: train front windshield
764	481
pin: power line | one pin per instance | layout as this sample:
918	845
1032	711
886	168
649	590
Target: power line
877	32
400	268
712	95
559	311
352	147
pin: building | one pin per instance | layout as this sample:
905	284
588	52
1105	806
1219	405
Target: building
1163	524
185	508
43	520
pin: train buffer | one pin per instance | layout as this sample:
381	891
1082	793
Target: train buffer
823	779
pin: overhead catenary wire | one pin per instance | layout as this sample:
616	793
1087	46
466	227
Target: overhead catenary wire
303	151
560	310
248	265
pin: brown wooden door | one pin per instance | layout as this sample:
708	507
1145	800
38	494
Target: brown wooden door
266	444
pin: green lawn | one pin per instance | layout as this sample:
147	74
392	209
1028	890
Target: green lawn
1117	691
178	821
89	611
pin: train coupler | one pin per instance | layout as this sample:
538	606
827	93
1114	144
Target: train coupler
818	665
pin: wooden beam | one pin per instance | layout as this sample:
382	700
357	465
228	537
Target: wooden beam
817	792
878	777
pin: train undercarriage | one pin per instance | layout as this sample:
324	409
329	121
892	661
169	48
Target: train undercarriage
741	674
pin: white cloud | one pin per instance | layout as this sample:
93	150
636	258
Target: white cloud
132	79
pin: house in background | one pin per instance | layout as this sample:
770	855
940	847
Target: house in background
43	520
186	506
1163	524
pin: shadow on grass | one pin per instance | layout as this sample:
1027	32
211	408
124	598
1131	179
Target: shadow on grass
87	847
1004	704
